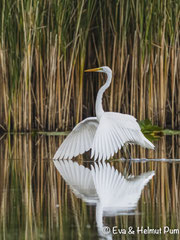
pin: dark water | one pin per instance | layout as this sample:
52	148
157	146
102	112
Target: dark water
37	203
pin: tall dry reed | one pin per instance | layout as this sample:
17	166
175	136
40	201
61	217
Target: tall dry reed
45	46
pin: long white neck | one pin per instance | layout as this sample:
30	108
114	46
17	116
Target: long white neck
99	108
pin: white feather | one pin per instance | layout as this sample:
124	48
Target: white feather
114	131
104	134
115	191
78	178
104	186
79	140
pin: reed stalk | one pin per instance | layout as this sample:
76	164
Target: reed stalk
45	46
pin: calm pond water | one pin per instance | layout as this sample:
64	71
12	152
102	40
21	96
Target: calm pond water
83	200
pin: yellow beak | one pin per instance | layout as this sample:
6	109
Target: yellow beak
93	70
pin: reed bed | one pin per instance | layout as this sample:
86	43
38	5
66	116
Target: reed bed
45	46
36	203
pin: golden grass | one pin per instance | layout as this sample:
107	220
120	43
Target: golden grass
44	47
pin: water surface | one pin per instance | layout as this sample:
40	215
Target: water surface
37	203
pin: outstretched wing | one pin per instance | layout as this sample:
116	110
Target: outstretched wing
113	132
79	140
114	190
78	178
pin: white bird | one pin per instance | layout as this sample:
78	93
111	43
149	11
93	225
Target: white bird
104	134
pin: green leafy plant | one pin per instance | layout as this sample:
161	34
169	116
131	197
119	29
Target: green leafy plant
155	131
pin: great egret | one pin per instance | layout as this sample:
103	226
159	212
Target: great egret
104	134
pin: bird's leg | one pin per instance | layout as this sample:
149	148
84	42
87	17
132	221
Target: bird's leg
129	160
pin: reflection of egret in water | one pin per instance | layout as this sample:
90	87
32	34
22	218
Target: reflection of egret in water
116	192
104	186
79	179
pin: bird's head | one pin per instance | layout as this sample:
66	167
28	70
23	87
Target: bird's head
104	69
